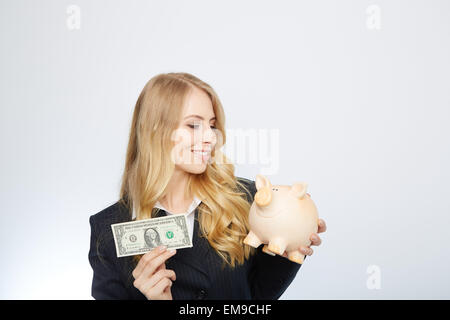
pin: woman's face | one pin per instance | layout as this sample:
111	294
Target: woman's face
195	137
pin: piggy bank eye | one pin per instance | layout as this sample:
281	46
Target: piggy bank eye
274	189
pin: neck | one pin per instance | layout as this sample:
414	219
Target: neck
174	198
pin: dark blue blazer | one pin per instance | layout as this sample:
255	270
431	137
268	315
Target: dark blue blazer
198	269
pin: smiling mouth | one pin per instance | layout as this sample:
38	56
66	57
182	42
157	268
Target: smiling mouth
204	155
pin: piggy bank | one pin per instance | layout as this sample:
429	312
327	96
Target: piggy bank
283	218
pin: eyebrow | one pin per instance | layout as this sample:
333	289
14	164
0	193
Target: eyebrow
199	117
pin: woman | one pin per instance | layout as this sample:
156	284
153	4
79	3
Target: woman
174	165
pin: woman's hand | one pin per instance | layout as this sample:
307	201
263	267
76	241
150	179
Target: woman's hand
151	276
315	239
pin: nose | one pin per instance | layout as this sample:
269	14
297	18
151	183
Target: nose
209	137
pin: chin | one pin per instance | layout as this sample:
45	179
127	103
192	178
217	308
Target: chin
194	169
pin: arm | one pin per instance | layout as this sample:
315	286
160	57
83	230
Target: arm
270	275
106	283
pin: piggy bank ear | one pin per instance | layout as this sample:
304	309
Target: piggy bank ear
298	190
261	182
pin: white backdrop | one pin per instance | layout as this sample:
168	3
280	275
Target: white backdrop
358	91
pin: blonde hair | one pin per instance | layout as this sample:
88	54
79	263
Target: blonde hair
223	213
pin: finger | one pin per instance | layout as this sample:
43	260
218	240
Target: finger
307	251
161	286
170	274
322	226
161	267
151	266
167	295
167	273
315	240
146	258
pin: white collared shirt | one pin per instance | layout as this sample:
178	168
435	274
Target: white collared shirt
189	213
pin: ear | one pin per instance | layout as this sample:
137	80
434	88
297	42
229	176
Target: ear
298	190
261	182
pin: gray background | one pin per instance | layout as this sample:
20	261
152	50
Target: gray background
362	116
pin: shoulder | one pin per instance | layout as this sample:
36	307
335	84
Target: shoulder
247	186
115	213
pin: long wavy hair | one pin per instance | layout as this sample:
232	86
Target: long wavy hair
223	213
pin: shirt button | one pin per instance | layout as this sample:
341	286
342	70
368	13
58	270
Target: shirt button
201	294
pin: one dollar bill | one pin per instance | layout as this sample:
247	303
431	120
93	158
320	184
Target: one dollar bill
141	236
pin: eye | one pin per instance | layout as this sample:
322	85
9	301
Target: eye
195	126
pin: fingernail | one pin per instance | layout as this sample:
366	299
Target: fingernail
172	251
162	248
